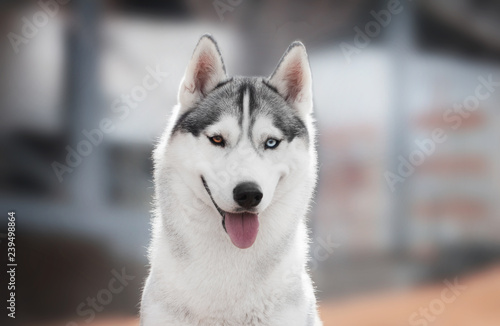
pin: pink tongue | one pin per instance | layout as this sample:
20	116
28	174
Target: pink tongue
242	229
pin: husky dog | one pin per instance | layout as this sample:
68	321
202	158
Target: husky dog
234	174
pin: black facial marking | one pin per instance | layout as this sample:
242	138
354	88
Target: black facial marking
221	212
227	99
240	100
207	111
271	87
222	83
291	126
284	117
252	103
197	119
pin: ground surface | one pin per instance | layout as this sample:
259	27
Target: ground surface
477	305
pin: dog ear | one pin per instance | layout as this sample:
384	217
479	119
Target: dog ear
292	78
204	71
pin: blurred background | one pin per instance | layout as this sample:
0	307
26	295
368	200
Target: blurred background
401	234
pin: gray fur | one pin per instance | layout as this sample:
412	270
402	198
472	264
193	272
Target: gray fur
178	246
226	99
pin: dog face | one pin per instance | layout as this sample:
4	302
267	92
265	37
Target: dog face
242	143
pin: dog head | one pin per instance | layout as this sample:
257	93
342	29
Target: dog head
242	144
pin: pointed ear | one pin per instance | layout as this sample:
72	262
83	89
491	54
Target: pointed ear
205	70
292	78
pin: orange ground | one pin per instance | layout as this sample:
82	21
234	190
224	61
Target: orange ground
477	305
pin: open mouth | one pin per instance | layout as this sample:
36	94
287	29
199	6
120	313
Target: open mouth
242	228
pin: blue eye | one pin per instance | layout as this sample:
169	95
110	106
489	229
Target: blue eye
272	143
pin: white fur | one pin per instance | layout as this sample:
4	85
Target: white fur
198	277
295	59
207	59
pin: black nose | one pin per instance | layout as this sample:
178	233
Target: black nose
247	194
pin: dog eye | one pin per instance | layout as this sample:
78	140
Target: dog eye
271	143
217	140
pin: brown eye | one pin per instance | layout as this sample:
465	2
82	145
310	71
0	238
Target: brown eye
217	140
